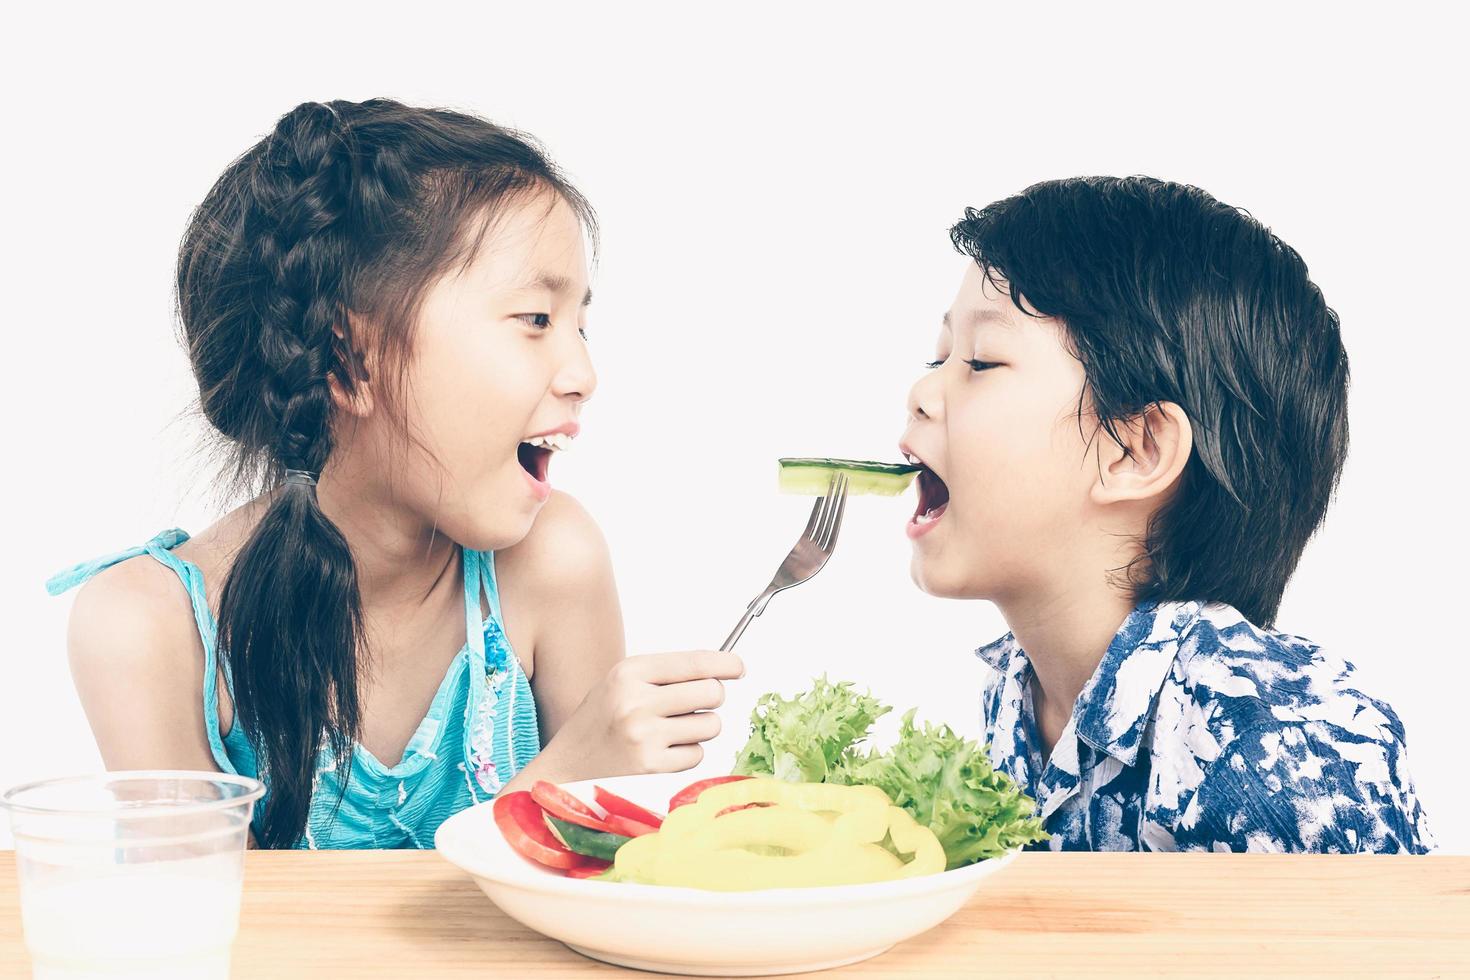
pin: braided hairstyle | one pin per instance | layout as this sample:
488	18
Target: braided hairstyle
344	207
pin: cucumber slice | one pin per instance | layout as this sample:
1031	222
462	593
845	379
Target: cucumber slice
810	476
586	841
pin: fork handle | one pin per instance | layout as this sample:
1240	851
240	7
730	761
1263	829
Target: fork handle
756	607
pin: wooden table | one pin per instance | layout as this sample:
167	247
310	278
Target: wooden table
411	914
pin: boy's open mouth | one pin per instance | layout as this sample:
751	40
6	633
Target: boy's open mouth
933	498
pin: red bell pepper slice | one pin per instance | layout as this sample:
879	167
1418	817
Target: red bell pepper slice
629	828
590	870
616	806
691	792
521	822
564	806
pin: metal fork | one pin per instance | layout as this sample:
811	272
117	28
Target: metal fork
807	558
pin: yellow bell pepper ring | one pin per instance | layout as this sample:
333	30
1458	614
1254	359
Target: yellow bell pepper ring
911	837
802	835
827	799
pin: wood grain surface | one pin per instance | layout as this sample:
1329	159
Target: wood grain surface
412	914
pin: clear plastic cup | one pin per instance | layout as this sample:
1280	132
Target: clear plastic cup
131	874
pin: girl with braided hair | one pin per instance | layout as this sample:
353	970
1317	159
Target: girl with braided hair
385	310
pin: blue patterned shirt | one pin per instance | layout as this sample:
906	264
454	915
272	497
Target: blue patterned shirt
1200	732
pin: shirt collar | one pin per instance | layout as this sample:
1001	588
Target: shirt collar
998	653
1113	711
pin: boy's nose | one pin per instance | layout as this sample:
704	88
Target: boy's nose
924	401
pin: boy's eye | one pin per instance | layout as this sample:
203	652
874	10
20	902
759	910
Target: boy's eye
541	321
975	364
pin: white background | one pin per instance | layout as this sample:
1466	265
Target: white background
775	184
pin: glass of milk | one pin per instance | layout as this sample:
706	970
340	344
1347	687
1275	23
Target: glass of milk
131	874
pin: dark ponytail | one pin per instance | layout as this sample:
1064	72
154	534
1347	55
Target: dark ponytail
344	207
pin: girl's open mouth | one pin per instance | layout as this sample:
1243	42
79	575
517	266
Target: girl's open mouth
535	460
534	455
933	502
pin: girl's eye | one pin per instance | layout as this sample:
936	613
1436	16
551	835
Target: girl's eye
541	321
982	365
931	365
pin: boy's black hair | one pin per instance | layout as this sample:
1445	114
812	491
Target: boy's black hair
1168	295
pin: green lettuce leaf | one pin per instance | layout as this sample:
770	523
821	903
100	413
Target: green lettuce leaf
945	781
804	738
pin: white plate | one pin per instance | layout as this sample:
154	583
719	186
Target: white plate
688	930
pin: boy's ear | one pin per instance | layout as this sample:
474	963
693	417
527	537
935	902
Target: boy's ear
1156	444
358	400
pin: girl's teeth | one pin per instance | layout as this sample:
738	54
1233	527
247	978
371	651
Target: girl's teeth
556	442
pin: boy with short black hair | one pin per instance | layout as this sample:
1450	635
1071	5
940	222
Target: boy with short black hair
1136	421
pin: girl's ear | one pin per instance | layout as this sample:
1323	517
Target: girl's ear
357	401
1156	444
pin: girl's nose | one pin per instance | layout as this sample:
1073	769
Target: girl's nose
577	379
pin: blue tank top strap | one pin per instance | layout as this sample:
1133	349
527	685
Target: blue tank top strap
77	574
474	630
492	590
501	730
520	738
160	548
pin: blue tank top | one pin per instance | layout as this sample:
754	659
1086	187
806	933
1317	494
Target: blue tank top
480	730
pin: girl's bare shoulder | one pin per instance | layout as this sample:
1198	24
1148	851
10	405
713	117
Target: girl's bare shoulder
564	554
558	583
139	614
137	658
